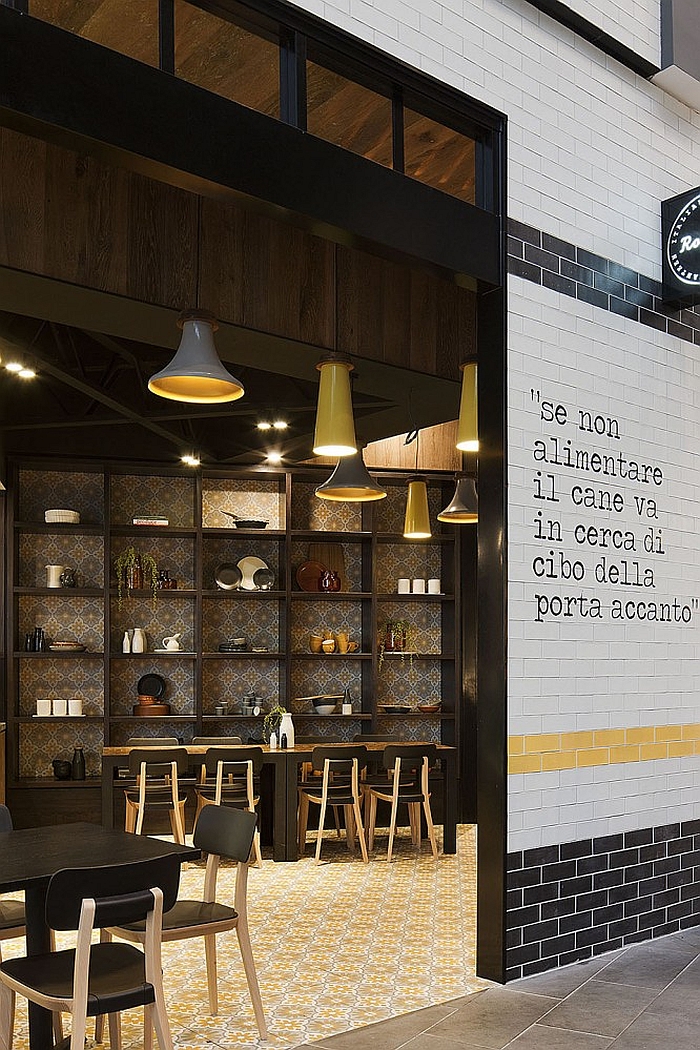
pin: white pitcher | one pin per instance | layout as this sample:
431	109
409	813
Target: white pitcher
53	575
172	642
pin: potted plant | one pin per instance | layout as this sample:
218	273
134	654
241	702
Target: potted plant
397	636
134	571
273	720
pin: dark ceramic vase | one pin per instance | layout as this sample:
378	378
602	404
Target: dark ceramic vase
61	769
329	581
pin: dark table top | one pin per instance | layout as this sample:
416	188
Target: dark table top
30	857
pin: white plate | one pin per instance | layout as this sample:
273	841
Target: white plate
248	567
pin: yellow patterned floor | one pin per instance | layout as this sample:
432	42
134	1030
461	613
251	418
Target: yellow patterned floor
338	946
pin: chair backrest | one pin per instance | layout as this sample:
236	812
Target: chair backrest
225	832
5	819
217	740
152	741
158	760
315	739
234	760
121	891
340	758
376	738
411	756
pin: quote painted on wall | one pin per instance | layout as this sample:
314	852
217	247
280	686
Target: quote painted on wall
594	567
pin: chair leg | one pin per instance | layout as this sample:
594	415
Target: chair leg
177	821
319	836
160	1022
392	826
349	828
303	821
115	1031
140	813
336	818
251	977
212	986
77	1033
130	816
148	1028
372	819
431	826
360	830
257	851
7	1016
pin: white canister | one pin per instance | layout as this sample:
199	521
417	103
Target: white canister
59	706
347	709
287	729
75	706
419	586
138	640
43	708
53	575
404	586
433	586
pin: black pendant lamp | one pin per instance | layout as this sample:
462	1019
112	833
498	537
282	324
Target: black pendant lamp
351	482
464	507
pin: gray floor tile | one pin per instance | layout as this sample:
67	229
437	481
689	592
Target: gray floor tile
540	1037
688	939
600	1008
671	1018
493	1018
562	982
392	1033
651	965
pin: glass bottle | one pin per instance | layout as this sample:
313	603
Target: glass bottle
78	764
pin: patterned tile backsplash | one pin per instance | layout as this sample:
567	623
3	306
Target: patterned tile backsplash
171	615
230	679
133	495
310	512
40	743
85	554
63	618
260	500
314	617
45	490
65	677
179	683
256	619
219	550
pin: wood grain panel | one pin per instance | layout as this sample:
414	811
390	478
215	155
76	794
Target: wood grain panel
128	26
22	168
161	256
436	450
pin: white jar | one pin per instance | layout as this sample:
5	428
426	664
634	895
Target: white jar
287	729
53	575
138	641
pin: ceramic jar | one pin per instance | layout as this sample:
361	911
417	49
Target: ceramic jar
138	641
329	581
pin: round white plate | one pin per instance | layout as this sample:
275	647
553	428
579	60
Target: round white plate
249	567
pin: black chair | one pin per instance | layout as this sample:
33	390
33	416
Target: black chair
228	778
153	741
216	741
95	979
408	766
221	833
338	785
156	771
12	923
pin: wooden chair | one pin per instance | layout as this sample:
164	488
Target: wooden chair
217	741
96	979
156	771
400	761
339	785
12	923
153	741
221	833
228	779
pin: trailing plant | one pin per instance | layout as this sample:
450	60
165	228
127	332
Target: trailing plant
398	636
273	720
125	563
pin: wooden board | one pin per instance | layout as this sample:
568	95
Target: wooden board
331	555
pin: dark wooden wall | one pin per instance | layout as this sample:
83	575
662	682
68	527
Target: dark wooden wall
71	217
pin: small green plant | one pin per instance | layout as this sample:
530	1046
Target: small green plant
397	636
272	721
128	563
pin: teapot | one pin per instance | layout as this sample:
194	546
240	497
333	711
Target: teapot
172	642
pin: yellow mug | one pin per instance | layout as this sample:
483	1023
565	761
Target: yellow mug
353	647
328	645
315	643
342	641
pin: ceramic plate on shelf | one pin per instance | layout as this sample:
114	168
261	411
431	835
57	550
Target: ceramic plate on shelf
248	567
66	647
227	576
395	709
308	574
263	579
150	685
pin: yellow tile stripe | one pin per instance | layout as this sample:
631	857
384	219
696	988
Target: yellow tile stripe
544	752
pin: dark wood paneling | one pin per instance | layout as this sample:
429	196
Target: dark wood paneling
22	233
32	807
161	259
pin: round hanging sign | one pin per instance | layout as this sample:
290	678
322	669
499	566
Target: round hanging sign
683	244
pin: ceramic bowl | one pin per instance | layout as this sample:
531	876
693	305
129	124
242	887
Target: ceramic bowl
324	709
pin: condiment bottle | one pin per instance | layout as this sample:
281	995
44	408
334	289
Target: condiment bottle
78	764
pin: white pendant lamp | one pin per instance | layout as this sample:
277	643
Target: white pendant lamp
335	427
351	482
196	374
417	521
464	507
468	427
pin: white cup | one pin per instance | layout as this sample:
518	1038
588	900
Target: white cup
75	705
347	709
419	586
59	706
53	575
404	586
43	708
433	586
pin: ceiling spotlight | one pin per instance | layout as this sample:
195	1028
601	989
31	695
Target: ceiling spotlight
26	373
280	424
264	426
274	457
14	366
190	460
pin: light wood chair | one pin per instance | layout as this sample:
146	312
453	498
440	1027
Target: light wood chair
228	778
156	771
338	785
96	979
408	766
221	833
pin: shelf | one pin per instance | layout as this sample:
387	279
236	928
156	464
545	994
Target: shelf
152	530
141	656
272	534
48	655
59	527
219	592
161	592
61	592
396	597
397	537
31	719
152	718
331	656
425	715
51	782
311	717
338	537
334	596
247	655
416	656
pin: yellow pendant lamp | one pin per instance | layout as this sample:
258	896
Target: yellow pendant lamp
417	521
464	507
335	427
351	482
468	426
196	374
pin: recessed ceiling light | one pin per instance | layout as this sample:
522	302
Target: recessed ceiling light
190	460
280	424
14	366
264	426
26	373
274	457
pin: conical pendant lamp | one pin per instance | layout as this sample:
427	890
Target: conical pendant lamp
468	427
196	373
335	427
464	507
351	482
417	521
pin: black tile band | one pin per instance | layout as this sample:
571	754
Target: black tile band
579	899
543	259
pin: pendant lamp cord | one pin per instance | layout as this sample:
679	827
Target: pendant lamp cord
198	269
